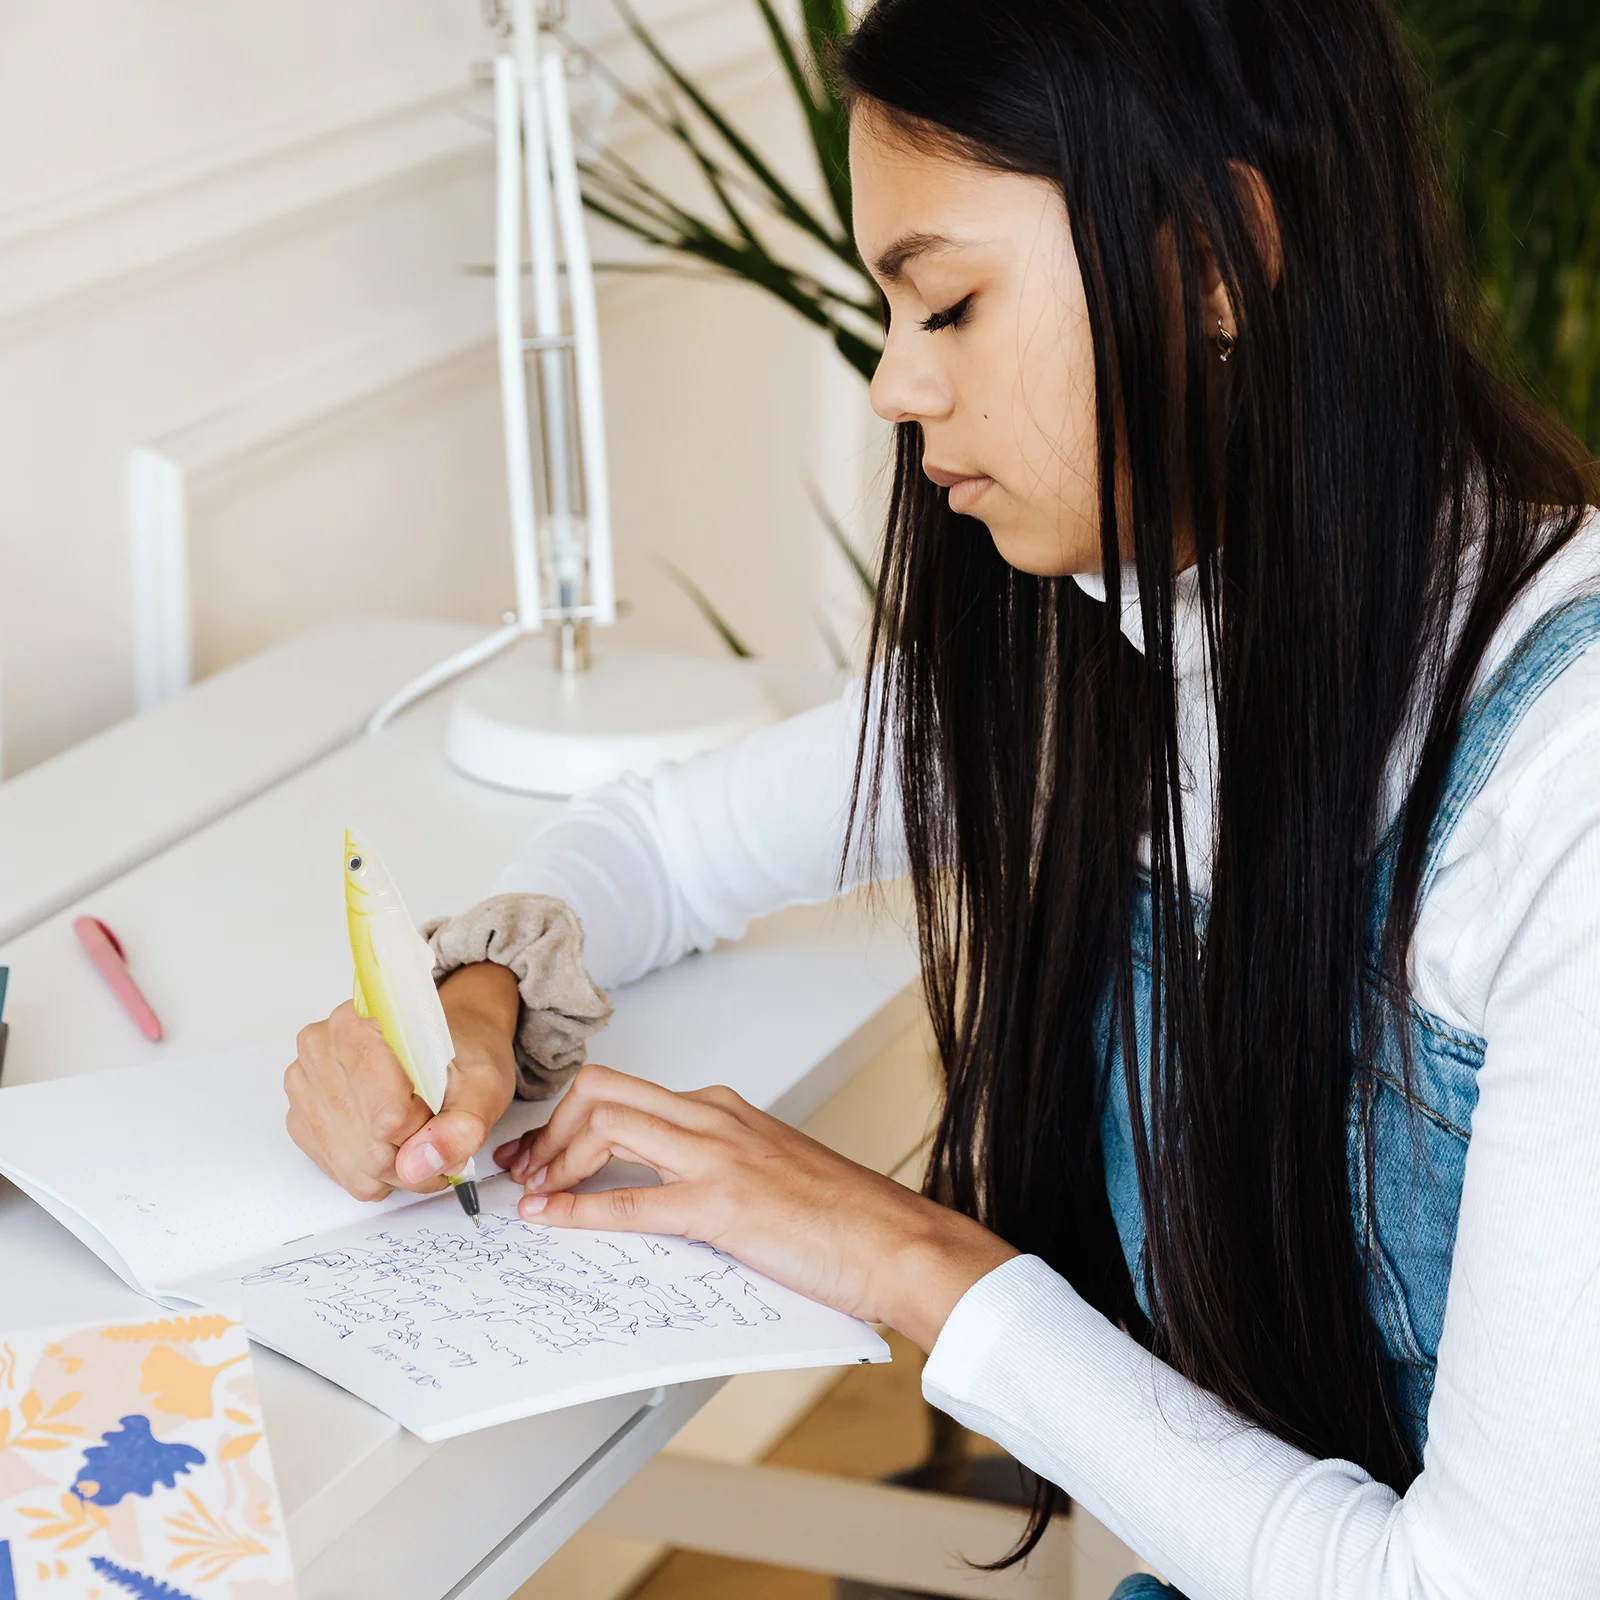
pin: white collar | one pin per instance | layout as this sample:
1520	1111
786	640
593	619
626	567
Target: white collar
1188	625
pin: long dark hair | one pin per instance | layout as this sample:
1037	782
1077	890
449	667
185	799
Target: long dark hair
1361	468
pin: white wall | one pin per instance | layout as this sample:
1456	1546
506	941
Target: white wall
240	232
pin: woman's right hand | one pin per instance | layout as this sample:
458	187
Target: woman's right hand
352	1109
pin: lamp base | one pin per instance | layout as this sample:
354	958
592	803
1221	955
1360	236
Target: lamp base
524	725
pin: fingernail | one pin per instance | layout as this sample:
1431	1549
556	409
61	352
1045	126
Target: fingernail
537	1178
423	1162
504	1154
531	1205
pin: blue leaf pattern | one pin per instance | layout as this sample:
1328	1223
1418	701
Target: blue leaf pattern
136	1583
131	1461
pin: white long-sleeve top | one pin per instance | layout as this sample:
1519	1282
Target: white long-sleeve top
1507	946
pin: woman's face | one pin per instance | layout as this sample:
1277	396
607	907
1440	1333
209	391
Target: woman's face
988	346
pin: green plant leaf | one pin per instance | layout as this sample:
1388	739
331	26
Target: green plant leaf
1515	90
861	353
734	245
697	597
670	230
827	120
831	643
827	24
869	584
666	120
786	202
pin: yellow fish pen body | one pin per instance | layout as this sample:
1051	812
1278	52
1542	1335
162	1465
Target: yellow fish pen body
394	976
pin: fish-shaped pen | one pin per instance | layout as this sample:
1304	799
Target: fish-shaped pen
394	986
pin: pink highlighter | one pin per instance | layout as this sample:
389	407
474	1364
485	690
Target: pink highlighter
105	950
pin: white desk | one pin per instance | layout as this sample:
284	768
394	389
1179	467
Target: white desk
235	929
77	821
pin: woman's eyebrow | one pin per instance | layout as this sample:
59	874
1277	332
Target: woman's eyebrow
892	261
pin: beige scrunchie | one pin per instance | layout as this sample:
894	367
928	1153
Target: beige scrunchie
541	941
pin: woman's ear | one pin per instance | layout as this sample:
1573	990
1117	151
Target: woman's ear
1261	221
1260	218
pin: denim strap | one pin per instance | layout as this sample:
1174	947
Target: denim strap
1540	656
1141	1586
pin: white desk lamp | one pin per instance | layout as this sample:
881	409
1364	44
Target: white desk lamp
541	721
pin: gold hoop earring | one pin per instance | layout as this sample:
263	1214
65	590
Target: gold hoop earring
1226	342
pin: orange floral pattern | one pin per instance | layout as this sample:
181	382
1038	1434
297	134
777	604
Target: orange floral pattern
137	1449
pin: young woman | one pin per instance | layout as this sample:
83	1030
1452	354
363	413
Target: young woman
1235	721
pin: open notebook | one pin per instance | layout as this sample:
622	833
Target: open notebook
180	1176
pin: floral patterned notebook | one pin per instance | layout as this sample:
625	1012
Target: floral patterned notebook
133	1462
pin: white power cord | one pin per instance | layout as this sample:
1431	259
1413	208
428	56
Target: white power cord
444	672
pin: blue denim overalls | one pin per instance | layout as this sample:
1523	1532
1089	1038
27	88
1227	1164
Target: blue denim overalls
1420	1148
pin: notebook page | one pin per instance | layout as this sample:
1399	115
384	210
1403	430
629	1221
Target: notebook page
182	1166
449	1328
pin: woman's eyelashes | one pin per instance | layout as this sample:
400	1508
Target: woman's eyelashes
950	317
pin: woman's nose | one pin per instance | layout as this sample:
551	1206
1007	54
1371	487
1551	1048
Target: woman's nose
908	386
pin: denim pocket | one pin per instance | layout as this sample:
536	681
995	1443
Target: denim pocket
1419	1157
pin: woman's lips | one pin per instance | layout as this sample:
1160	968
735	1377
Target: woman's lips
965	494
966	488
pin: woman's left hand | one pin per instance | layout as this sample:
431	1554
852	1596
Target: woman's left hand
752	1186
